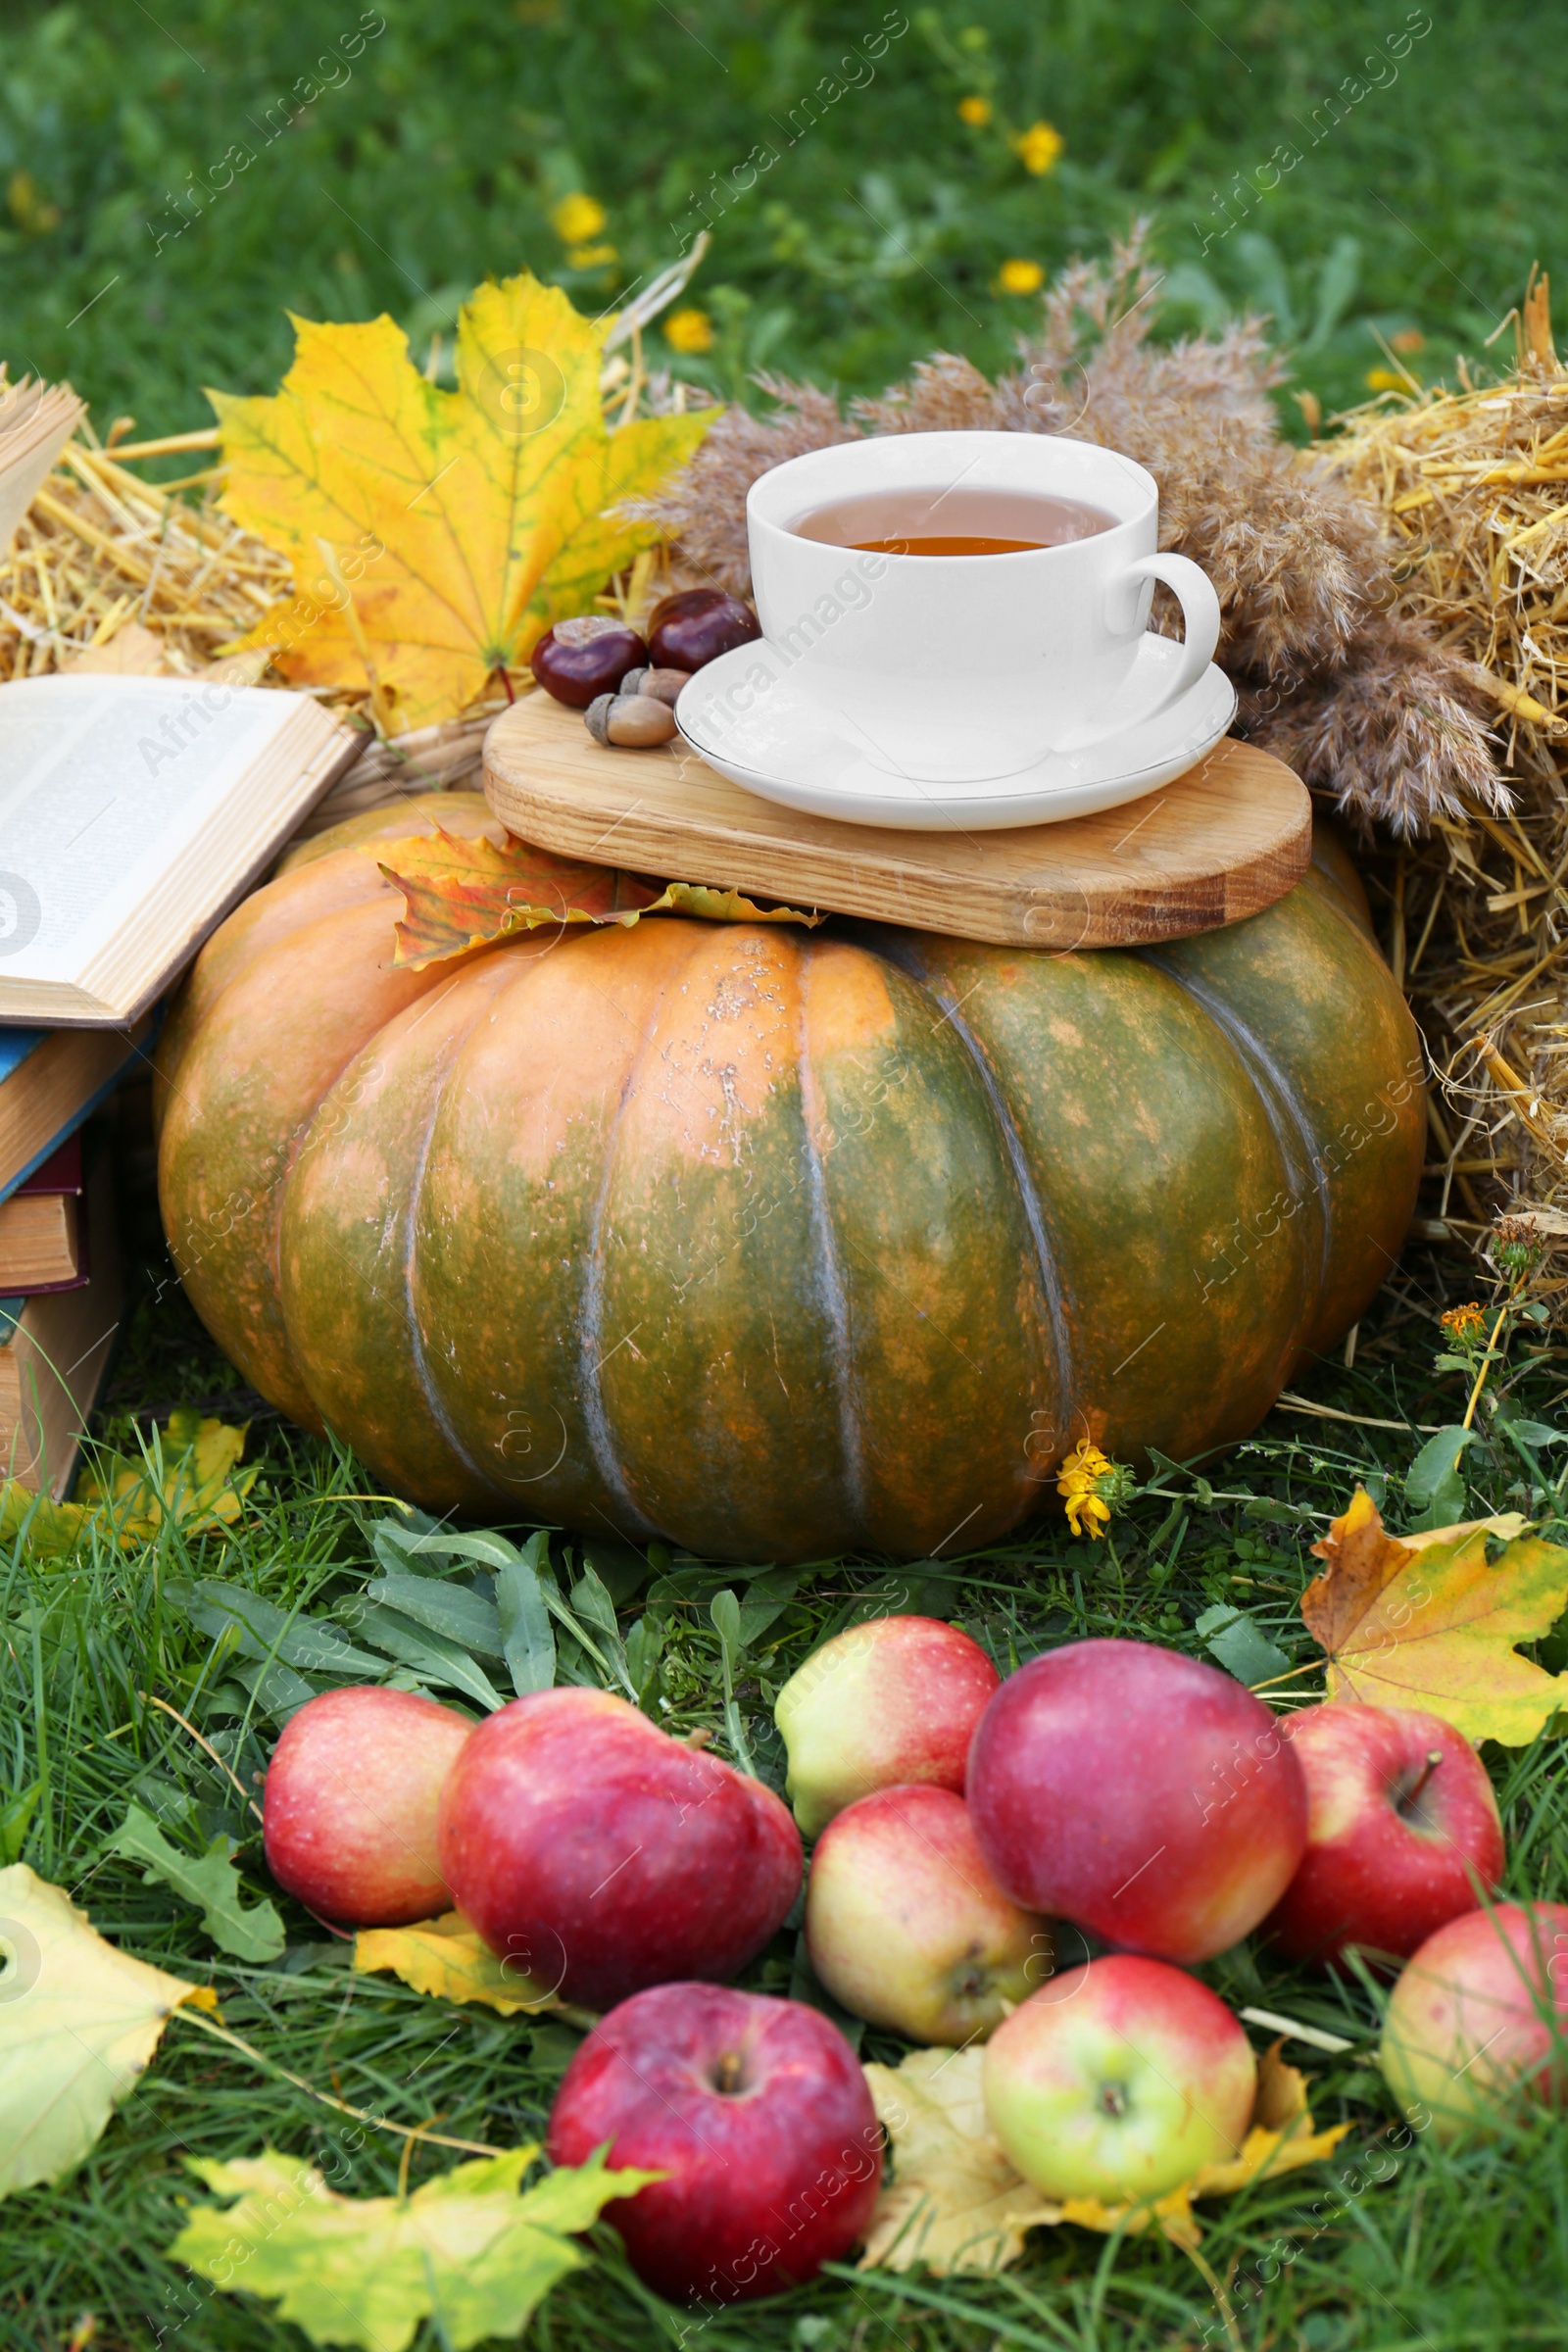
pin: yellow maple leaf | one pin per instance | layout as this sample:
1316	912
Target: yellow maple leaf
201	1487
1428	1622
955	2203
463	892
434	534
450	1960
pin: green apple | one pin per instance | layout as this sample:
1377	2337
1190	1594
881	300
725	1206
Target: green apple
1119	2079
881	1704
906	1926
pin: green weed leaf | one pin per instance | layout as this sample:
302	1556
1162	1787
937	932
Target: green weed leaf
213	1884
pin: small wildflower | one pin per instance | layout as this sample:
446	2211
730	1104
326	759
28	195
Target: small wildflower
577	218
1020	277
1463	1323
1384	379
689	330
28	208
975	110
1092	1486
1516	1243
1039	147
1408	338
590	257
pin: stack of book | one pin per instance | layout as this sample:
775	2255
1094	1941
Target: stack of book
134	813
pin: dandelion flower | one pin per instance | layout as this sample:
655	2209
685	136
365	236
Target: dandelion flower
577	218
1384	379
689	330
1463	1323
975	110
1092	1485
1039	147
1020	277
590	257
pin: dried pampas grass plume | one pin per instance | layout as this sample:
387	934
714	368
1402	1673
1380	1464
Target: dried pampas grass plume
1368	706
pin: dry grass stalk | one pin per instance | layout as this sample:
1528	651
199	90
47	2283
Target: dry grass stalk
1473	485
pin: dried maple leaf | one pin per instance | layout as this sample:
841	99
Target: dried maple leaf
461	893
1430	1622
449	1959
433	535
955	2203
79	2021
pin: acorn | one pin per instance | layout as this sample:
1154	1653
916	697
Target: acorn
662	684
688	630
581	659
634	721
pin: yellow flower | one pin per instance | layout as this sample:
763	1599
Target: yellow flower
28	208
1463	1323
1020	277
1090	1484
689	330
590	257
1039	146
577	218
1384	379
975	110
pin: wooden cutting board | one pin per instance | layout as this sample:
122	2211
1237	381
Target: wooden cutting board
1224	841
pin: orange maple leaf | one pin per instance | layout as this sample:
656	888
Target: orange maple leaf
1428	1621
461	893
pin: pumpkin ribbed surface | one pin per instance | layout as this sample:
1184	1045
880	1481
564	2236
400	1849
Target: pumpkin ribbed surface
773	1241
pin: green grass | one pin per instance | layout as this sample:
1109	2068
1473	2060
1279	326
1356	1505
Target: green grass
146	265
1390	2246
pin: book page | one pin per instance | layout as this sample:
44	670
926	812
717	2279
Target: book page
104	782
35	423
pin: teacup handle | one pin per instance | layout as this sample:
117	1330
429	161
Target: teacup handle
1201	615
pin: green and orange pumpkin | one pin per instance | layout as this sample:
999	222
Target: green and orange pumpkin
777	1243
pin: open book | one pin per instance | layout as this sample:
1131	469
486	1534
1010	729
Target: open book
133	813
36	421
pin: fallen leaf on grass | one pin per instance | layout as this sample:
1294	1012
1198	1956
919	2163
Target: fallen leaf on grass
461	893
1427	1621
439	533
464	2249
955	2203
254	1933
79	2021
202	1489
449	1959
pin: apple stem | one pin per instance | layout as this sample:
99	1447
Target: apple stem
1410	1796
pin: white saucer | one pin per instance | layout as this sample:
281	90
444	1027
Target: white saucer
793	746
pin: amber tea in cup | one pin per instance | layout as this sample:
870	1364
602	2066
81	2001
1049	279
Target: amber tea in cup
952	523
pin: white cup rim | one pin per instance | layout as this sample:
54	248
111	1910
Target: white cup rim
783	496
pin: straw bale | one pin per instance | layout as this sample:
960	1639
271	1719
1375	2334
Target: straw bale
1473	486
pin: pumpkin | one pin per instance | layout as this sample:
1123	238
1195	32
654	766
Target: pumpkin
777	1242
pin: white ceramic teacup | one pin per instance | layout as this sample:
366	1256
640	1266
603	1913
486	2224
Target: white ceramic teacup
955	668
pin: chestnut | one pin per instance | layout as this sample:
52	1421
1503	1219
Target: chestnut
688	630
578	660
635	721
662	684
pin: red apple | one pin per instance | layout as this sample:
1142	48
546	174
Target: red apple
1403	1832
601	1855
1477	2020
1140	1794
349	1811
759	2114
906	1926
879	1707
1117	2080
